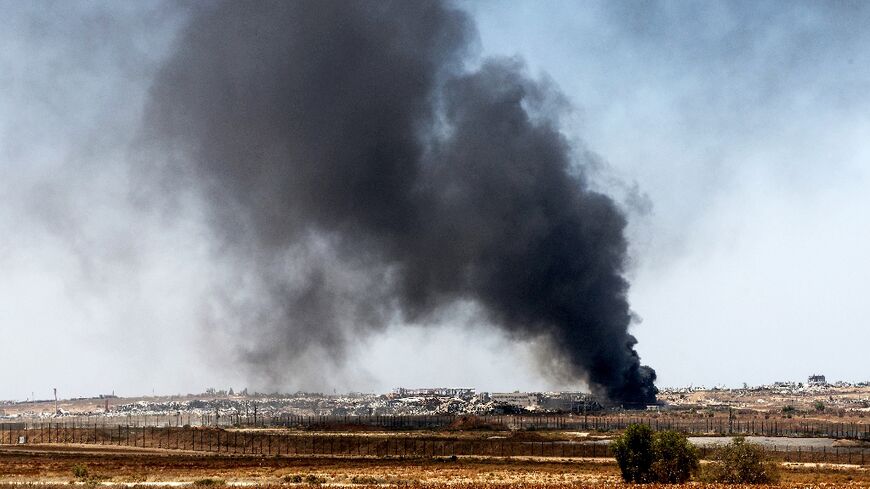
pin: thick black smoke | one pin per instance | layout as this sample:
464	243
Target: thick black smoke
359	174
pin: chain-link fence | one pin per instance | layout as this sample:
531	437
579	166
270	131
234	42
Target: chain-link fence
701	425
276	442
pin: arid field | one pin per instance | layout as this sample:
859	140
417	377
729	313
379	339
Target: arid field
811	448
63	464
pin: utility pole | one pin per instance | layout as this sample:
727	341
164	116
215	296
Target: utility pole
56	411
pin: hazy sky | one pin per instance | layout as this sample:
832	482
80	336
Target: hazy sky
736	134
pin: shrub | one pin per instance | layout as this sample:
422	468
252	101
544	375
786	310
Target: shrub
313	479
80	471
363	479
208	482
674	458
741	463
634	453
643	456
295	478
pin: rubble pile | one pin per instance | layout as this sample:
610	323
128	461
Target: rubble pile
314	405
812	398
224	405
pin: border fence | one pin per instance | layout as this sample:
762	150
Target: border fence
272	442
694	425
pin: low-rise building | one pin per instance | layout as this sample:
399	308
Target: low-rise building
518	399
816	380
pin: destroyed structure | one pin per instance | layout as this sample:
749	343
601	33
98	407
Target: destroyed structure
563	402
400	402
816	380
837	397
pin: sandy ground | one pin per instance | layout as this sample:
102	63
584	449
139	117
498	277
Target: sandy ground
55	464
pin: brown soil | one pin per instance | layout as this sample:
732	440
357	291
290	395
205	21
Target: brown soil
474	423
120	465
341	427
56	464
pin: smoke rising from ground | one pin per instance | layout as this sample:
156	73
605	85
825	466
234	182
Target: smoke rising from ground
357	174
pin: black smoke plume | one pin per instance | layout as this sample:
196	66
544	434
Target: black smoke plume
359	173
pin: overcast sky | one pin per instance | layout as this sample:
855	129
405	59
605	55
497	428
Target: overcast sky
735	134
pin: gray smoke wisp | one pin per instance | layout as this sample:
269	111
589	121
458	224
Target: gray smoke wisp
358	174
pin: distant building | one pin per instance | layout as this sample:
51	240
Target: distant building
433	391
518	399
549	401
816	380
577	402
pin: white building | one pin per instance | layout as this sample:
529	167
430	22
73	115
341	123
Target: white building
519	399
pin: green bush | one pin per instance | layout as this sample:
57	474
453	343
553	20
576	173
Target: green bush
295	478
80	471
675	459
741	463
644	456
634	453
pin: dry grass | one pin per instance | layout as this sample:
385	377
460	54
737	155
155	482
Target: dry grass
488	485
112	465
